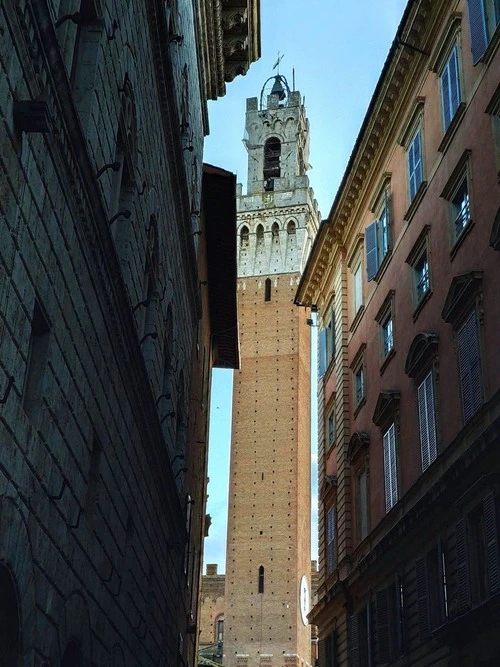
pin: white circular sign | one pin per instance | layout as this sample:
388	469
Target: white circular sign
304	599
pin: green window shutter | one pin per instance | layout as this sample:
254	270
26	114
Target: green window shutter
491	533
371	241
424	620
463	577
478	34
383	626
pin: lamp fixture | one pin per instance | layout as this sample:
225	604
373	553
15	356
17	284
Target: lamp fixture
125	214
115	166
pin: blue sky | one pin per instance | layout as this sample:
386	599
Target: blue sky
337	49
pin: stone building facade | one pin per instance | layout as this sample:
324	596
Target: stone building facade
116	299
404	275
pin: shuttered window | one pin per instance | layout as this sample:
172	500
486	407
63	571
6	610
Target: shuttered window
354	641
491	535
463	580
427	421
322	357
415	167
330	541
484	16
377	241
390	468
450	88
383	625
358	288
469	362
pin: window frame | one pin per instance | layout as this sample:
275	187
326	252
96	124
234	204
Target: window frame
391	473
455	87
427	457
461	175
330	539
475	379
378	233
483	33
385	315
421	247
358	364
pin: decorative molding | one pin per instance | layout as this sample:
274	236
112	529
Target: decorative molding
463	290
422	349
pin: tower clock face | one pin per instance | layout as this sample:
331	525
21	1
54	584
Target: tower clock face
304	599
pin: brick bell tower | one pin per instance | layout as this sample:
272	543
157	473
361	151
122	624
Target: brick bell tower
268	565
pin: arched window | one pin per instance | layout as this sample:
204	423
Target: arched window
72	655
267	290
244	235
9	620
261	579
275	230
219	628
291	227
260	234
272	152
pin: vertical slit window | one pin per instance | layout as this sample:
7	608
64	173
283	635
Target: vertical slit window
261	579
267	295
37	361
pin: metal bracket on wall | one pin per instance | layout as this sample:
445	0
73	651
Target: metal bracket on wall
10	384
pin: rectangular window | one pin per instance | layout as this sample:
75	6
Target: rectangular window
330	338
386	624
414	161
330	541
362	505
36	362
357	288
449	82
359	639
460	208
427	421
331	428
484	17
359	384
387	335
421	276
469	364
390	468
377	239
431	590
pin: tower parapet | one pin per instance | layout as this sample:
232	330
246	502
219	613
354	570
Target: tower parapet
278	216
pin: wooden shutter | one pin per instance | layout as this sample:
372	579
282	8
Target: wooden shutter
478	34
322	352
322	653
454	82
330	540
415	163
445	95
354	647
463	578
427	421
383	626
371	241
469	362
422	597
491	533
390	468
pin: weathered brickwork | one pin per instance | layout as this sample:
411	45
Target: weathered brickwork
105	339
268	546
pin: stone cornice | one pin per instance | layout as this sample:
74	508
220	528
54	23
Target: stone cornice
231	41
402	69
274	212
